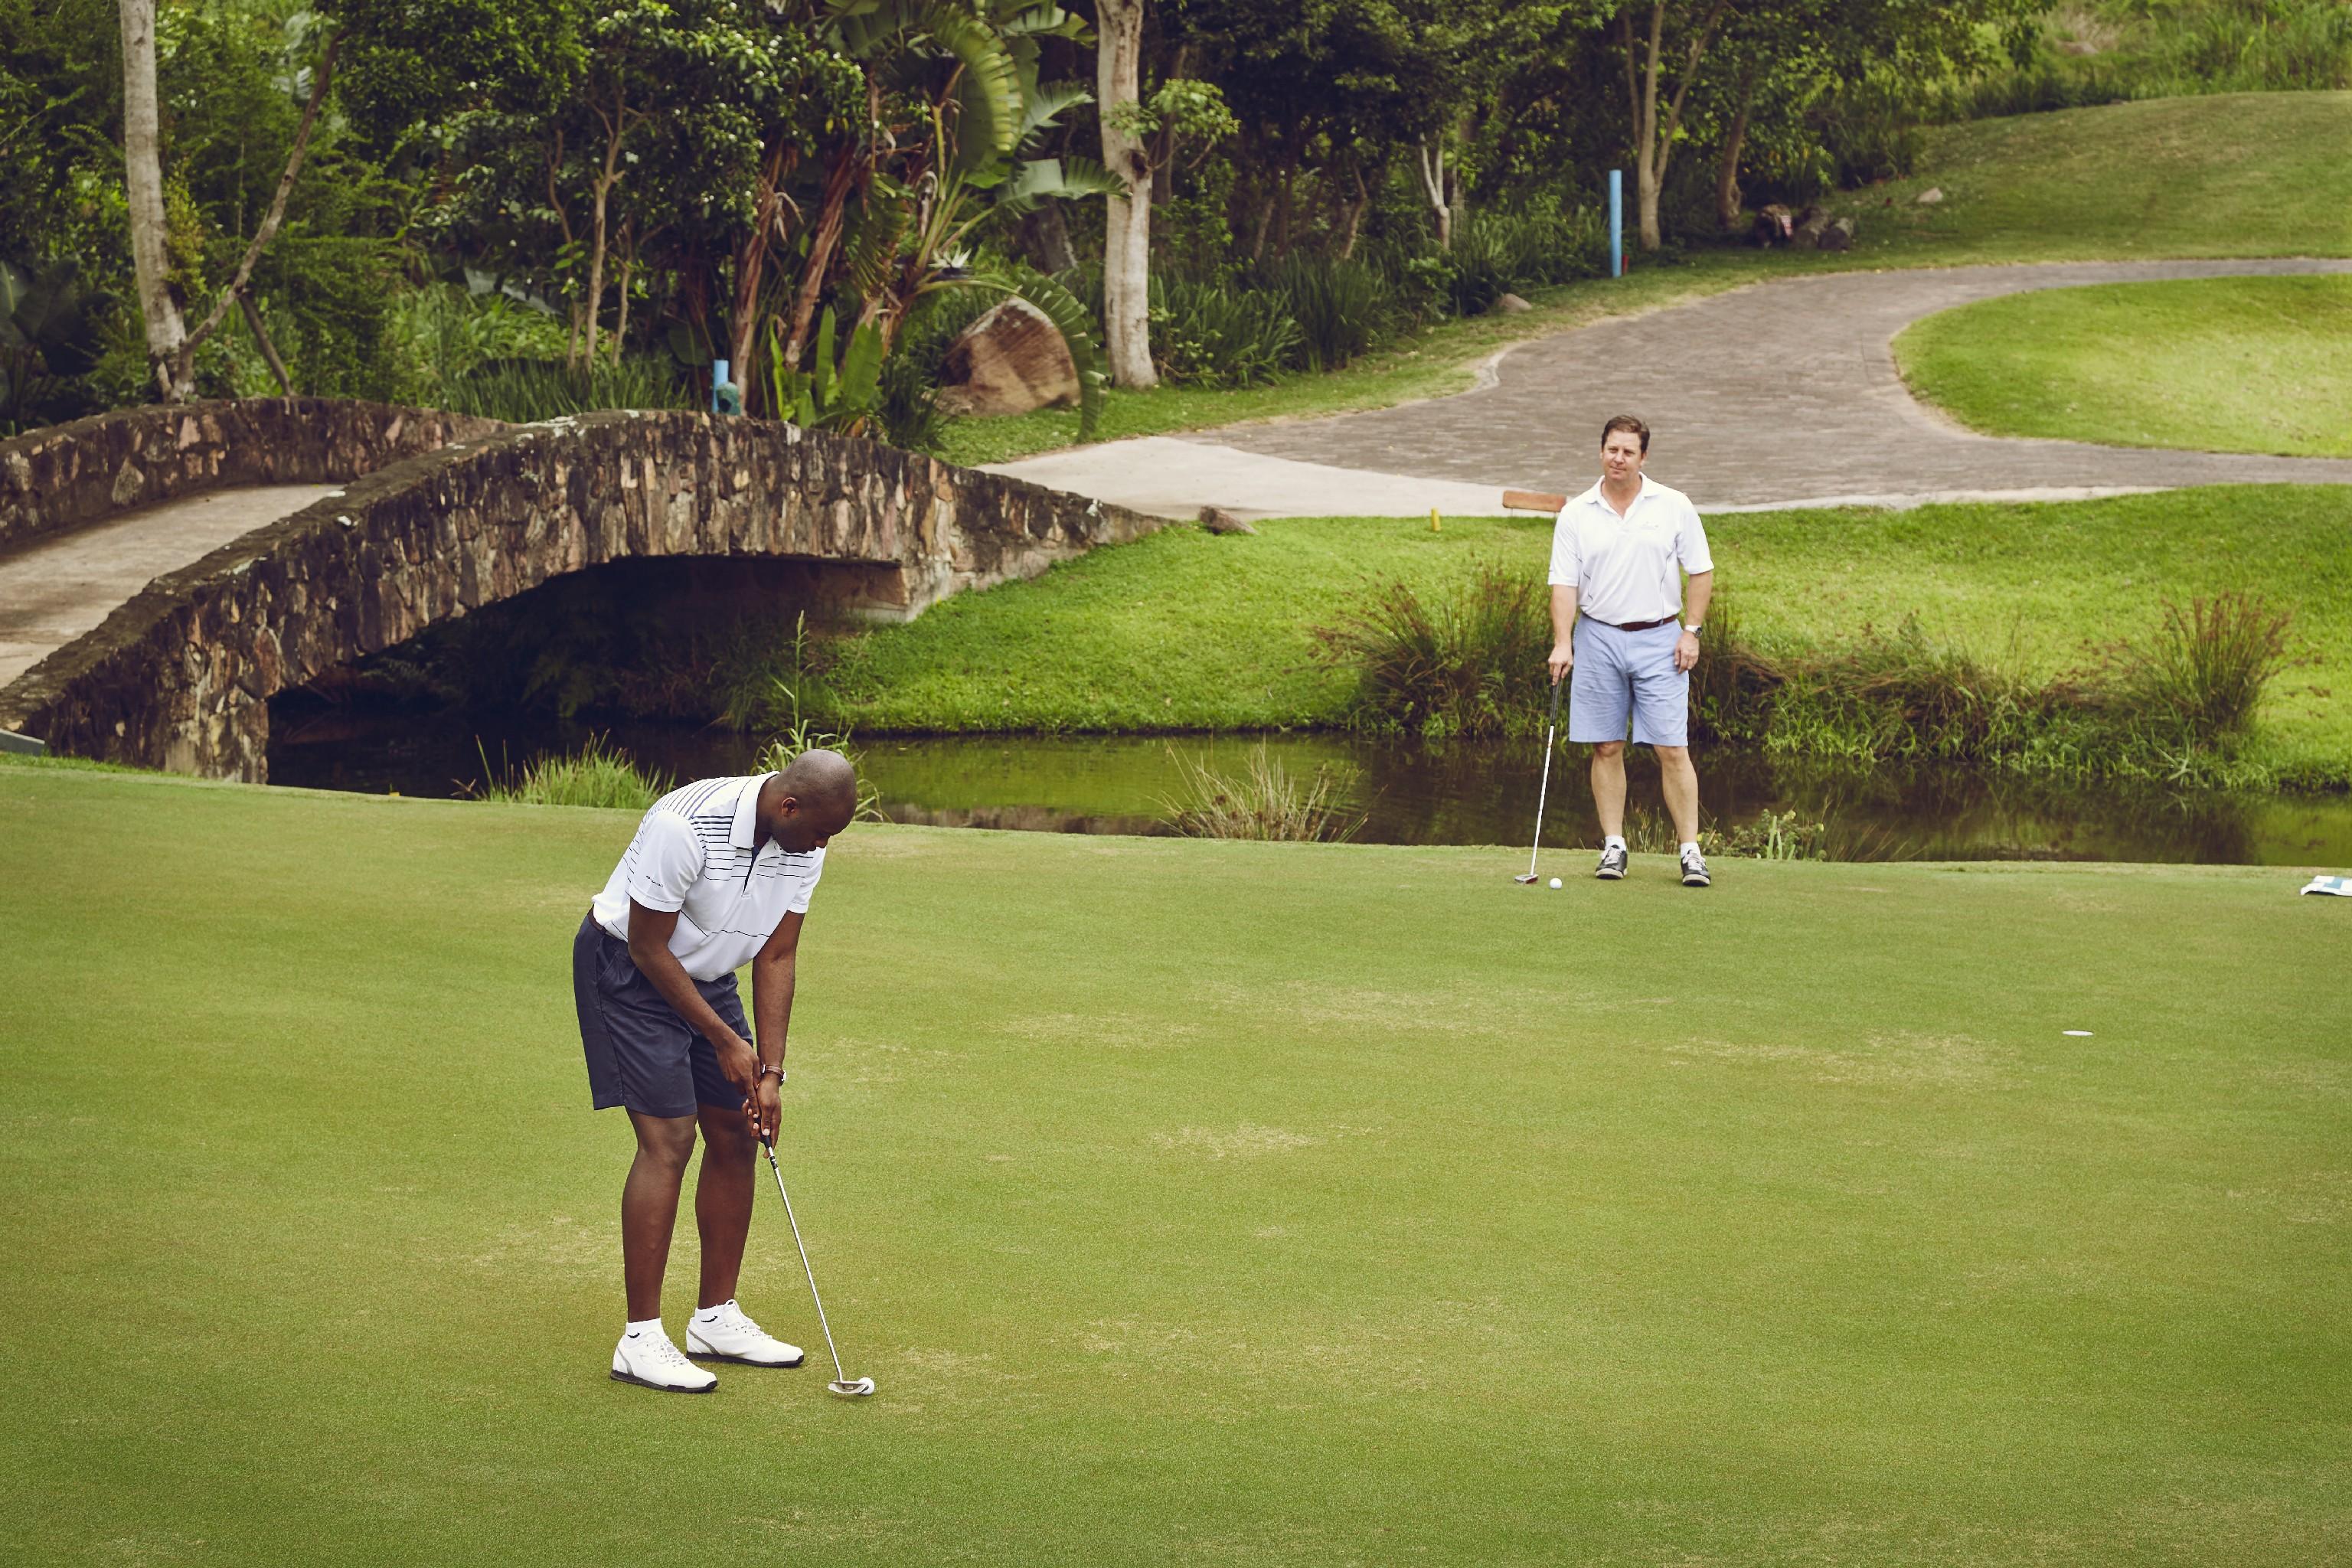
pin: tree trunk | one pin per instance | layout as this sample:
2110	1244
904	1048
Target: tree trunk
1727	204
1051	229
1654	128
1127	234
628	255
269	348
1356	210
616	128
277	214
822	243
1429	163
751	260
142	179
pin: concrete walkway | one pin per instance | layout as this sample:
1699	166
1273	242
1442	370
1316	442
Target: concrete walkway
54	592
1781	393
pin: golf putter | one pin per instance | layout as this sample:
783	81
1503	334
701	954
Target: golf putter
842	1384
1550	726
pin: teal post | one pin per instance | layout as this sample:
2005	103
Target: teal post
1616	223
726	397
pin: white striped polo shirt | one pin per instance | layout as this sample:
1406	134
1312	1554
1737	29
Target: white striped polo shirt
693	854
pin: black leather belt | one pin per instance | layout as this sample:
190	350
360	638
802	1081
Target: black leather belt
1631	626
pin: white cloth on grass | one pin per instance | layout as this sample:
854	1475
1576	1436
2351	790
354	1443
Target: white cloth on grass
1623	568
693	854
2339	886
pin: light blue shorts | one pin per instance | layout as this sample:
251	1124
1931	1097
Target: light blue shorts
1622	674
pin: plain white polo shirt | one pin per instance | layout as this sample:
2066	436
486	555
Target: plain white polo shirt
1622	568
693	854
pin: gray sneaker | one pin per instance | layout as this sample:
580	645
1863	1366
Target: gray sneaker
1693	869
1612	865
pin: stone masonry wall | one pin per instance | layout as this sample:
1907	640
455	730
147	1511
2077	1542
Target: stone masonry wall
181	676
69	474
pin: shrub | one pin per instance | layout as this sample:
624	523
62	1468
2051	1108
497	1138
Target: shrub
1343	308
600	776
1774	836
2203	673
1469	662
1263	801
524	391
1215	334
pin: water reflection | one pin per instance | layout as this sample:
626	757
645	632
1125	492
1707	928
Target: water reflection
1407	794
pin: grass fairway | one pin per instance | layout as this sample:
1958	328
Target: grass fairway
1184	630
1188	1202
2255	173
2223	365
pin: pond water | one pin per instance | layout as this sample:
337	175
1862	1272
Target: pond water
1458	793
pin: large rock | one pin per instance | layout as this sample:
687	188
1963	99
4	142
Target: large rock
1009	362
1807	234
1837	235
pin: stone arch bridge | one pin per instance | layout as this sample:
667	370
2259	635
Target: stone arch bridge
430	516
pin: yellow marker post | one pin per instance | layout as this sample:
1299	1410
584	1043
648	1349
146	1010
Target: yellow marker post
1432	521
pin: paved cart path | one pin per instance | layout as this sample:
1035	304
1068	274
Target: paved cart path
54	591
1784	393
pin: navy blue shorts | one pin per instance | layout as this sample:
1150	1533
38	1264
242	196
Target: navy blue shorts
641	1054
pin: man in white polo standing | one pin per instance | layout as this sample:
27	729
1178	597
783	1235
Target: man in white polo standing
1623	638
719	875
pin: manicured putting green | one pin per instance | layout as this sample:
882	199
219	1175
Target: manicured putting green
1188	1202
2219	364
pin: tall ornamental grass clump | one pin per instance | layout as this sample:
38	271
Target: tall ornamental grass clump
1343	308
1468	661
2203	673
1217	334
1263	801
599	775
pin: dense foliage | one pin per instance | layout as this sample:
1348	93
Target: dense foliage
526	208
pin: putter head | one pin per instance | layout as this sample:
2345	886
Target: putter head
852	1388
1524	880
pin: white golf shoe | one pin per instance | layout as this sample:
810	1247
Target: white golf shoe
649	1360
724	1333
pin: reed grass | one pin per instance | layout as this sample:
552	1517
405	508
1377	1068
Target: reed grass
1263	801
598	774
1468	661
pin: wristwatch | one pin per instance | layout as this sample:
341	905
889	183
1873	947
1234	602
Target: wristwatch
765	1069
1692	629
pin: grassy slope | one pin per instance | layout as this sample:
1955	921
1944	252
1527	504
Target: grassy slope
2227	364
1183	630
1254	1234
2246	174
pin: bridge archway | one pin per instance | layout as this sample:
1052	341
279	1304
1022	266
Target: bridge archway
180	678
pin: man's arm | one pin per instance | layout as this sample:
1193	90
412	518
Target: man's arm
649	934
1563	630
1696	598
773	973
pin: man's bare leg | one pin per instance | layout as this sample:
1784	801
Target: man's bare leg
1681	781
722	1200
1609	786
650	1207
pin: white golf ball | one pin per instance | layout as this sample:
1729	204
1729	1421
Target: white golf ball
1555	882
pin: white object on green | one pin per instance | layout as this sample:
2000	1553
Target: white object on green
2339	886
1555	882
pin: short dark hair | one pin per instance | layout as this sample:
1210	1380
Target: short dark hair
1626	422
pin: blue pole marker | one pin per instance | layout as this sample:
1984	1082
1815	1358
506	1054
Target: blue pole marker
726	397
1616	223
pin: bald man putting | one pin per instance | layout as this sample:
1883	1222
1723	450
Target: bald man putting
720	874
